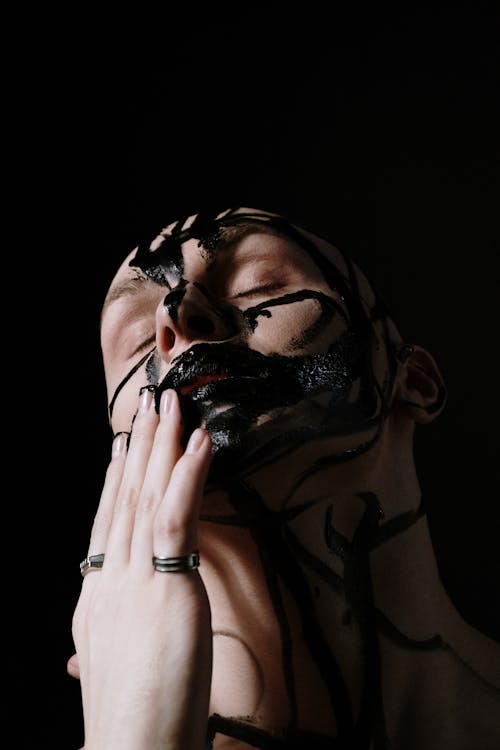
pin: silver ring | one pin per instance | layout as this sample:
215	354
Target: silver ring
91	562
180	564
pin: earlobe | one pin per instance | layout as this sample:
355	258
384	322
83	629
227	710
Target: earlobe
421	393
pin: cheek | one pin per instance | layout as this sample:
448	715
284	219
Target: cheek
125	405
299	328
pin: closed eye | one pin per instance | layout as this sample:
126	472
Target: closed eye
144	344
255	290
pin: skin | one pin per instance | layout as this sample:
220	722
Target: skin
318	583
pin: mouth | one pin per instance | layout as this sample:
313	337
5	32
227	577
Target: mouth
205	366
199	381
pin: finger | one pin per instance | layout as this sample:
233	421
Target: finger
73	667
104	514
141	440
176	521
165	453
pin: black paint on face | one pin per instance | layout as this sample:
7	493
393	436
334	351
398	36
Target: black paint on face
229	387
256	406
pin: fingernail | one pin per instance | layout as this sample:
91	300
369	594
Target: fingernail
146	395
119	444
195	440
166	403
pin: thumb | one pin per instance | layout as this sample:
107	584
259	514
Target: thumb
73	667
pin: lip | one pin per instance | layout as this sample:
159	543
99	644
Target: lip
199	381
207	365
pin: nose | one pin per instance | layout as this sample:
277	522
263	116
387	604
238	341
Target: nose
190	314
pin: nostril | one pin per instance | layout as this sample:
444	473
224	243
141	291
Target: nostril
168	338
200	325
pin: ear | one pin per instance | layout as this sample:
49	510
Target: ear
420	390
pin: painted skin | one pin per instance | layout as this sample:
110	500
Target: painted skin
329	620
296	353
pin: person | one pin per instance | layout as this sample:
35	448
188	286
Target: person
260	572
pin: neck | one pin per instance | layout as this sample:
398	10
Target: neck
321	518
334	564
332	466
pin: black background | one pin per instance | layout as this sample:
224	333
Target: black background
376	128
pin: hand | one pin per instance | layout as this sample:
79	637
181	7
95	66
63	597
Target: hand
143	638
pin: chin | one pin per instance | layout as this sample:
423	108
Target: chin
241	446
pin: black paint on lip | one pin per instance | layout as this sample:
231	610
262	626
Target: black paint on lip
219	367
248	384
225	361
199	382
210	371
204	363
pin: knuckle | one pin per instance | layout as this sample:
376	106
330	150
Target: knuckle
189	471
101	523
167	428
148	503
128	499
170	527
140	432
112	471
144	423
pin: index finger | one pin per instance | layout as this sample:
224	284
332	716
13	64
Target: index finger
104	514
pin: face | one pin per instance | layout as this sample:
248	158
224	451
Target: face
269	335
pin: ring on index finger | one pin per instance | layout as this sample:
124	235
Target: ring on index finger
91	562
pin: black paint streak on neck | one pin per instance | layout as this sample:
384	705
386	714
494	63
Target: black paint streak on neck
359	593
277	561
328	462
397	525
244	500
245	521
293	739
433	643
332	579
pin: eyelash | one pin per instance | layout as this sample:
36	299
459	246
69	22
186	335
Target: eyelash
141	276
258	290
144	345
